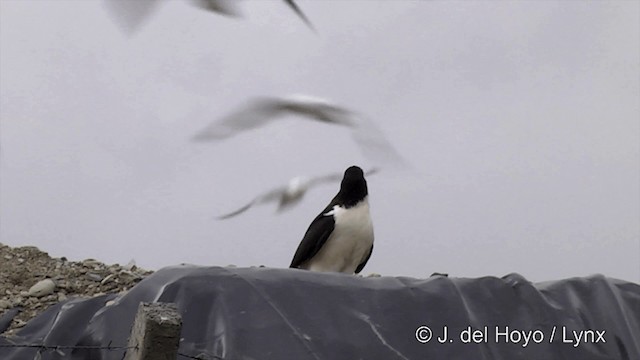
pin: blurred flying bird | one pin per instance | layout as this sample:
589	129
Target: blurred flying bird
222	7
340	238
290	194
229	8
132	13
300	14
260	111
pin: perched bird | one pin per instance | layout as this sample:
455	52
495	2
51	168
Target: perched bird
131	14
290	194
340	238
260	111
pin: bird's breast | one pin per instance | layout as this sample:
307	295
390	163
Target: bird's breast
349	243
354	220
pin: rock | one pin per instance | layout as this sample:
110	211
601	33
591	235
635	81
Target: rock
91	263
21	267
94	277
42	288
5	304
107	279
18	301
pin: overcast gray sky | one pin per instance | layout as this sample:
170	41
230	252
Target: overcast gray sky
520	122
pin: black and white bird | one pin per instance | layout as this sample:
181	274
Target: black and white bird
340	238
259	112
289	194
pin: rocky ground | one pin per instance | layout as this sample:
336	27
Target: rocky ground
31	280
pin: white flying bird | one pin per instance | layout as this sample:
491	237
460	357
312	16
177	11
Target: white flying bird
290	194
229	8
132	13
260	111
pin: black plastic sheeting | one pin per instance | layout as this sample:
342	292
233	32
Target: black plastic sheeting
262	313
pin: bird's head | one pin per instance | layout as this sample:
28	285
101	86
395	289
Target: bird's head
353	187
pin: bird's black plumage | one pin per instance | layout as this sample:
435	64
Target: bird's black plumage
363	263
353	190
315	237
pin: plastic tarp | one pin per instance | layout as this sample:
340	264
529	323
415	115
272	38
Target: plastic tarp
263	313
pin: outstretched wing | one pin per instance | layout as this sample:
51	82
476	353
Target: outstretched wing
315	237
300	14
373	143
272	195
236	212
260	111
222	7
253	115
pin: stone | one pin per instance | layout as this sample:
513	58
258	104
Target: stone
107	279
90	263
19	323
42	288
70	279
5	304
94	276
155	333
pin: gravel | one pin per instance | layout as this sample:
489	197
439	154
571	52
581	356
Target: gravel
32	280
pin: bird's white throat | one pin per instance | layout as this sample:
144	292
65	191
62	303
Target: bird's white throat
356	216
